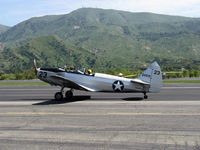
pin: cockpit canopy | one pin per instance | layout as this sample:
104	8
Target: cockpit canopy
54	69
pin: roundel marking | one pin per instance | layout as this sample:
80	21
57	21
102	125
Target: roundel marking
118	86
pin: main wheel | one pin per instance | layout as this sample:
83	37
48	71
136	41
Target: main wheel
69	95
145	96
58	96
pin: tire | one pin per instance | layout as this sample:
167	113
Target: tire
58	96
69	95
145	97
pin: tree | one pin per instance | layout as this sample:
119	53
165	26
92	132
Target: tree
196	73
185	73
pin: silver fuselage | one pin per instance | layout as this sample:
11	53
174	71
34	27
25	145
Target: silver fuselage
99	82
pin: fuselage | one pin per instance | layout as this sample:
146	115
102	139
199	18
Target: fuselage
98	82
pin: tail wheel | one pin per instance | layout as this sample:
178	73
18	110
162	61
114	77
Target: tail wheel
58	96
69	94
145	97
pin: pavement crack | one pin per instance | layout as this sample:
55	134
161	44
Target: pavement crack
29	123
107	143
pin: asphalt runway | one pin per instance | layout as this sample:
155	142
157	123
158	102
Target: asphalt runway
31	119
169	92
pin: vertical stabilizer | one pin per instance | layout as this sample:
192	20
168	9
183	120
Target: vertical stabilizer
153	76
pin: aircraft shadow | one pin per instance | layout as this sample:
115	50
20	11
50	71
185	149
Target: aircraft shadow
55	102
118	99
83	98
133	99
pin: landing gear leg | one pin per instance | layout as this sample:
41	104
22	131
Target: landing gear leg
69	94
59	95
145	96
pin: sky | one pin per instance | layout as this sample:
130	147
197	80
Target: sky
13	12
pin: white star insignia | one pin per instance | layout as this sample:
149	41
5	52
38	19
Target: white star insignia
118	86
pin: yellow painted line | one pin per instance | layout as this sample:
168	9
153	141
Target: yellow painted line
133	114
100	114
155	114
31	113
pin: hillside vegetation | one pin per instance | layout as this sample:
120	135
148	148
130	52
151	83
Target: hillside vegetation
3	28
103	39
49	51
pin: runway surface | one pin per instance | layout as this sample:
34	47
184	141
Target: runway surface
169	92
31	119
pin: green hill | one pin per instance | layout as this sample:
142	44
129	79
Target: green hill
118	39
3	28
48	51
91	22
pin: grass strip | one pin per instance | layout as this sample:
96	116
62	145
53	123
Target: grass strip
43	83
181	81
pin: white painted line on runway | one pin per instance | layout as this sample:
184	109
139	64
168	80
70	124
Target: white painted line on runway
106	102
27	95
16	103
43	89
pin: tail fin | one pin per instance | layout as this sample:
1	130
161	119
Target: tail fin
153	76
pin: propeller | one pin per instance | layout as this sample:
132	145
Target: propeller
35	66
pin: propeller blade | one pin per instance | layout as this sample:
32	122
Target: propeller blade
35	66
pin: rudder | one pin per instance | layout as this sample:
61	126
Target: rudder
153	76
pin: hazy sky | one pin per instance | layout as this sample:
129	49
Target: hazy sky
15	11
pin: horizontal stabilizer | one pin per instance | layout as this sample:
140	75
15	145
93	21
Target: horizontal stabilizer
139	81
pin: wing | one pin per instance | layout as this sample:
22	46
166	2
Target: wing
62	81
141	85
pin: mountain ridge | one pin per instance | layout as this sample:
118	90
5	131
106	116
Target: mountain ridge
3	28
116	38
87	14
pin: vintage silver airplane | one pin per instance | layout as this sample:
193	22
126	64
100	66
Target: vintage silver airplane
149	81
